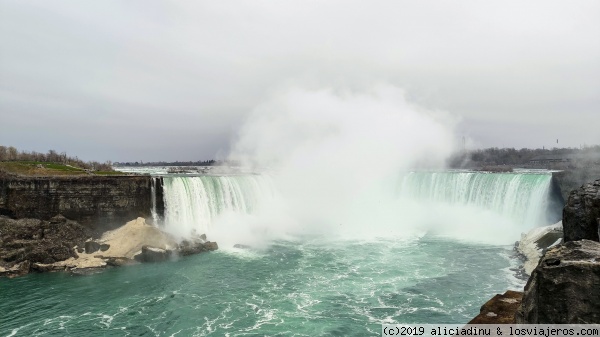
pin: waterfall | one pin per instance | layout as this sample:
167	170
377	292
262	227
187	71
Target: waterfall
493	207
524	198
193	202
153	200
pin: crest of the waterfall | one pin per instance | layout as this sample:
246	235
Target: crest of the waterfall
478	206
520	198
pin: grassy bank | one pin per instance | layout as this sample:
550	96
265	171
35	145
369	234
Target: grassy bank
34	168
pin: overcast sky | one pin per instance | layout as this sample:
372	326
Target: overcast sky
174	80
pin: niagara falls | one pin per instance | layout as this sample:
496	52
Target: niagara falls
298	168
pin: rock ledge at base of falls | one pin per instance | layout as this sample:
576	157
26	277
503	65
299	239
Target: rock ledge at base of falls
64	245
564	288
534	243
581	215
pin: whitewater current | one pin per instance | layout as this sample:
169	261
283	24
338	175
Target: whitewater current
305	285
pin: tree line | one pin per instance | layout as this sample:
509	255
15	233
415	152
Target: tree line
210	162
10	153
589	155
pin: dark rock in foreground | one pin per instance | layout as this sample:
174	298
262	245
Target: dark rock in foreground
565	286
582	212
500	309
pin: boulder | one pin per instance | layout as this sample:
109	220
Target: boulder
581	213
153	254
210	245
189	248
565	286
91	247
500	309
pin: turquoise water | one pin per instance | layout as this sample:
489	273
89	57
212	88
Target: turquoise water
307	287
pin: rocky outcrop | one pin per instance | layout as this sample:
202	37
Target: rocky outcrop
99	202
153	254
500	309
582	213
565	286
195	246
27	242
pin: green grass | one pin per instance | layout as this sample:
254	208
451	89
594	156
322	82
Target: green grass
108	173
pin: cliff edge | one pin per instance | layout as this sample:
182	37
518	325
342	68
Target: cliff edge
99	202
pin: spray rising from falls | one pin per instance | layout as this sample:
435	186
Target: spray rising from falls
336	155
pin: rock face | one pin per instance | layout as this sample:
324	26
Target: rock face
102	201
581	213
572	178
29	241
565	286
500	309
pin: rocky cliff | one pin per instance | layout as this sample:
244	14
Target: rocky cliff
581	215
105	202
564	288
573	178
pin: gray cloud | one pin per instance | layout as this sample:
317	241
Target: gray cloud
150	80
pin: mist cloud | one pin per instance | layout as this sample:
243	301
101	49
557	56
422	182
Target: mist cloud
331	153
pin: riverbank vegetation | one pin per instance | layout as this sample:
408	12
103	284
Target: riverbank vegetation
13	161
